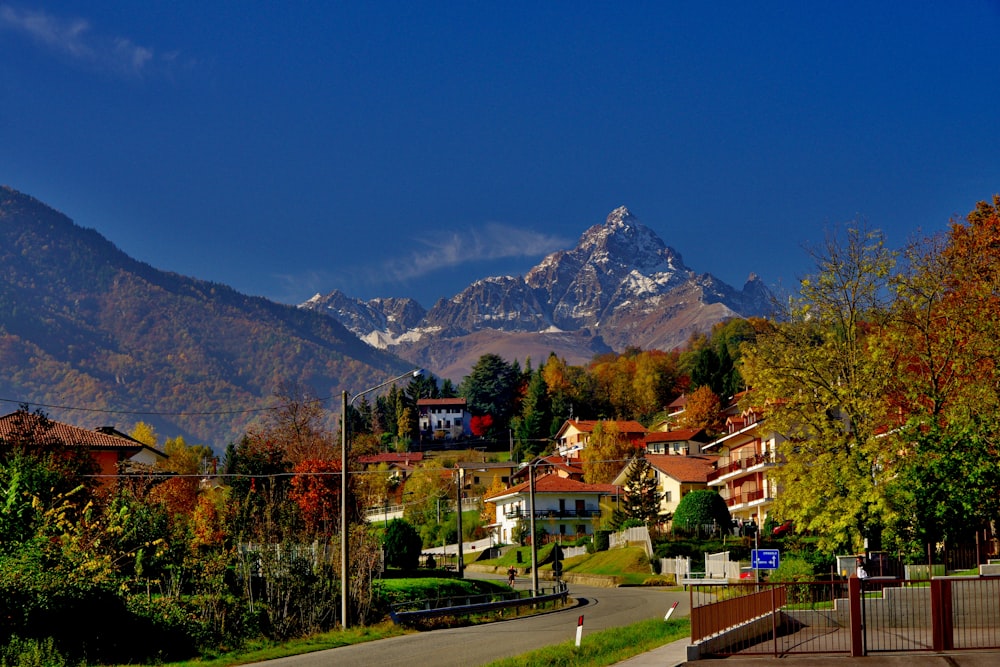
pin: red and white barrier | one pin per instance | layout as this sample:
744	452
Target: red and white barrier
670	611
579	631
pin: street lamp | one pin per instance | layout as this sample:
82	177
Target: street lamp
345	578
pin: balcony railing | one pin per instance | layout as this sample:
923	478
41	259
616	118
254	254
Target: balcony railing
516	513
740	465
745	498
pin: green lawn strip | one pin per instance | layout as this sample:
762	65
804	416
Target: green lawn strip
606	647
611	562
262	650
402	590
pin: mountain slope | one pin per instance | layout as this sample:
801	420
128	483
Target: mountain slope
84	325
621	286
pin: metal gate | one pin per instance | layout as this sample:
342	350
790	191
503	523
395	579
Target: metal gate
857	617
943	614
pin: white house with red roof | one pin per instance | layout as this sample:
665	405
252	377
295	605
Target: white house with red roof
562	507
443	418
684	441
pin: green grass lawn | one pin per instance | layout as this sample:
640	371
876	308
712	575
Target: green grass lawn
606	647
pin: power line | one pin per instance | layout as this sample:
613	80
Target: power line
155	413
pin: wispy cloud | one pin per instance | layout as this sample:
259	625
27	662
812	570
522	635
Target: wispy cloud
490	242
74	38
493	241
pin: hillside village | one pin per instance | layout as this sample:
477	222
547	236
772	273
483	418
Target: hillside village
861	422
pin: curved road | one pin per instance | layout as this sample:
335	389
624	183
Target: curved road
467	647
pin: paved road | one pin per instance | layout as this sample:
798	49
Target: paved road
467	647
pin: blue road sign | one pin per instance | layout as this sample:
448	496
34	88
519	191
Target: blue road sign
764	559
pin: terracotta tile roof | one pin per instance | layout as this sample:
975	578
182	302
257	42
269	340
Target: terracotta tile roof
441	401
571	465
472	465
626	426
104	437
407	458
553	483
679	435
693	469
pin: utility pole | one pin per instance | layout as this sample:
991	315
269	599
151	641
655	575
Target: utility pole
534	546
460	565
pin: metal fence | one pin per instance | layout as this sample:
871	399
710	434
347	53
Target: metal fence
463	605
946	613
875	615
770	619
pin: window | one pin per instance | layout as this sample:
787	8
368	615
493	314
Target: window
666	496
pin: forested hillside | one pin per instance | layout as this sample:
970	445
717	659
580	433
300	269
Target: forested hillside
82	325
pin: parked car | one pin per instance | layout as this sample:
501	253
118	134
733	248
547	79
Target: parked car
783	529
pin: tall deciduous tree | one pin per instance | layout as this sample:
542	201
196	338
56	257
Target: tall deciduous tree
822	386
606	453
702	410
945	397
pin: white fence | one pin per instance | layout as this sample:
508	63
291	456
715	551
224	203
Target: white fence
679	566
629	535
569	552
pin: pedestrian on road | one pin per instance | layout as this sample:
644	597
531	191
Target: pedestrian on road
511	575
861	571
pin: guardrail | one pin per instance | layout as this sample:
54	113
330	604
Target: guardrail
401	612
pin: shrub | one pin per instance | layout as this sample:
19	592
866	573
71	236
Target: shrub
402	545
794	570
699	508
31	653
602	540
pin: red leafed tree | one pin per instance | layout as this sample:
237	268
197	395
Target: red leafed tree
316	490
480	424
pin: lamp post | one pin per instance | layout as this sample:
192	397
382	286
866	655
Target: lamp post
345	578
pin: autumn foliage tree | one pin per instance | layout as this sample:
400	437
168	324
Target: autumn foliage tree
703	409
315	489
606	453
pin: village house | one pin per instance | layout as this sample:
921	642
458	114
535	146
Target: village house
563	507
747	452
399	465
570	467
675	476
443	418
574	434
110	449
476	475
683	442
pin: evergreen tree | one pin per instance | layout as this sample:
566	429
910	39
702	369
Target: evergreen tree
640	497
493	388
532	426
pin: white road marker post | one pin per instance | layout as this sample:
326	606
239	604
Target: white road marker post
579	631
670	611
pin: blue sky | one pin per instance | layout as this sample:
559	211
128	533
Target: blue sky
408	148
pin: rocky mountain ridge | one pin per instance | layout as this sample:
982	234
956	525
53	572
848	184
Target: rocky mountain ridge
620	286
